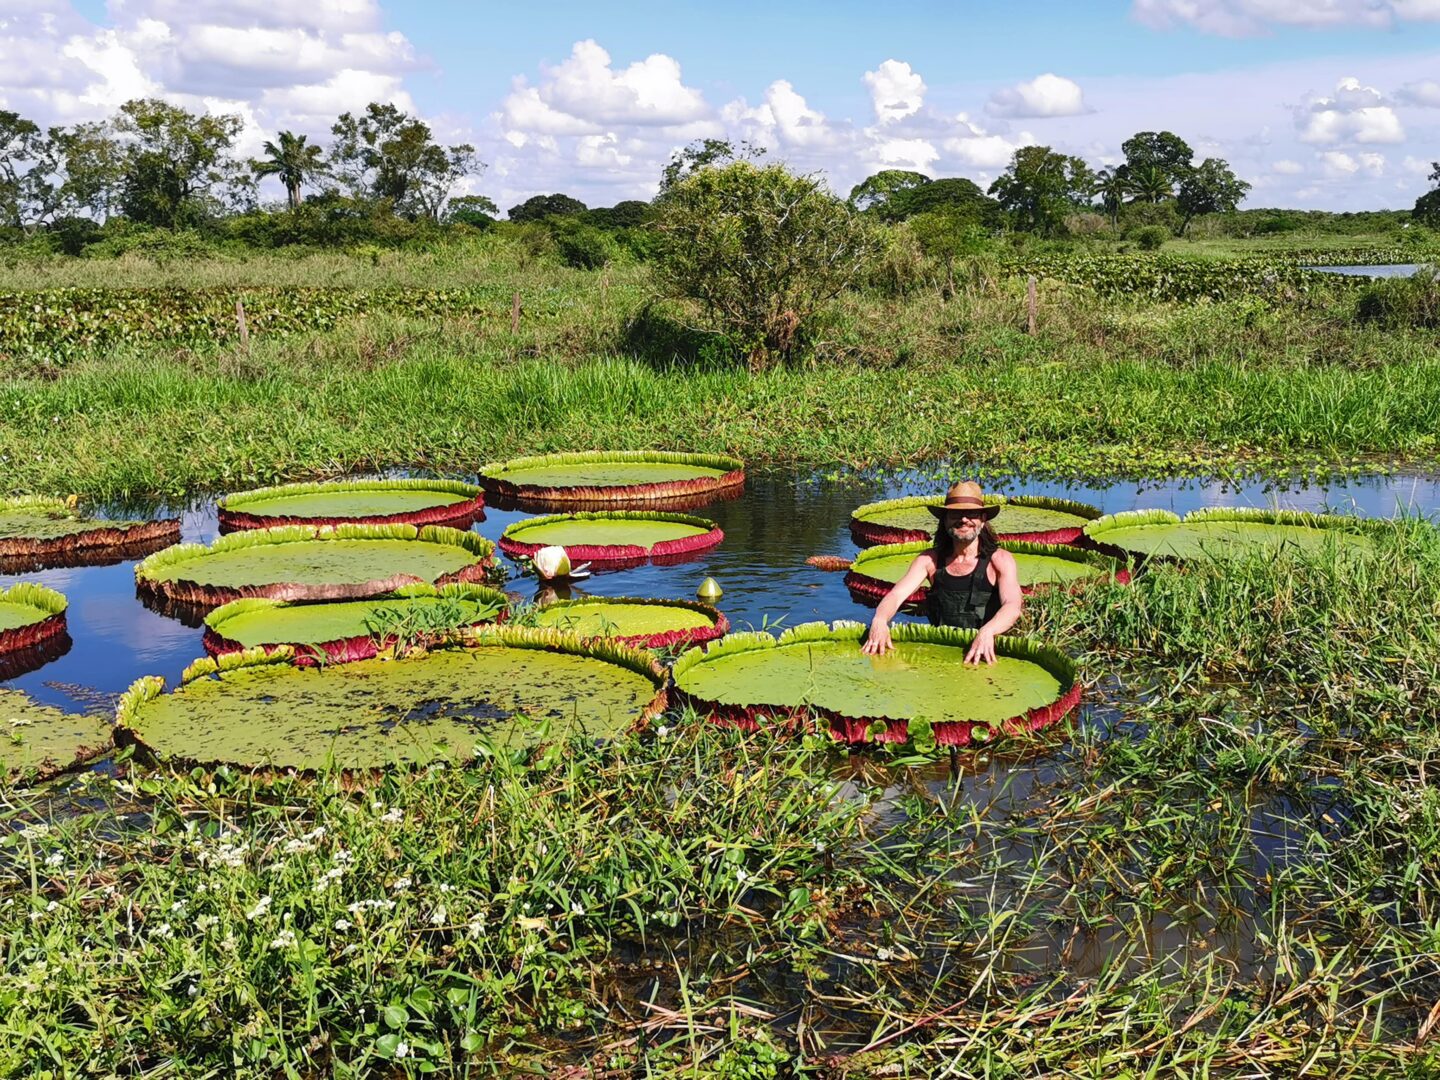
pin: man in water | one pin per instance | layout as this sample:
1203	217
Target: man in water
973	584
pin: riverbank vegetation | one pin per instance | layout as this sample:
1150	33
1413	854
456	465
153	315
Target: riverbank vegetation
1229	863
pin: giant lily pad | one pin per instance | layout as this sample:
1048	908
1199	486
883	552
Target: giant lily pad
512	686
363	502
1032	518
924	684
302	562
42	531
353	629
876	570
649	624
38	741
613	536
1227	532
615	477
30	615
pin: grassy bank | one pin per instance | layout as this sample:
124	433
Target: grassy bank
1229	866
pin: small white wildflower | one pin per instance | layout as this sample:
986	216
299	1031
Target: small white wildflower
259	909
393	817
476	926
229	944
662	731
34	832
53	905
402	1049
343	924
177	908
163	932
820	846
444	887
437	917
577	908
283	940
883	953
57	859
192	990
740	875
377	806
400	884
205	923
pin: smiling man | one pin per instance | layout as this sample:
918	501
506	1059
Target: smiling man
973	584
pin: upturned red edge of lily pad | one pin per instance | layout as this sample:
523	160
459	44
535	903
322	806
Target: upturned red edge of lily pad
212	596
33	634
629	554
870	534
870	590
452	515
337	651
856	730
536	494
90	540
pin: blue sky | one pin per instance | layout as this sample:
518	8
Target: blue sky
1320	103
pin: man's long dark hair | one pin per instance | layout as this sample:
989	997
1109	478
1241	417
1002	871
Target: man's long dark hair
944	548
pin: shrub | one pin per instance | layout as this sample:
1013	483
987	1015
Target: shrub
1411	303
1150	237
583	246
760	250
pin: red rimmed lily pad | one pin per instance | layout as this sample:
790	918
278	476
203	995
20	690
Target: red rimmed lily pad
1228	532
350	630
36	531
1035	519
343	562
506	687
874	572
30	616
923	687
614	537
644	623
614	478
359	502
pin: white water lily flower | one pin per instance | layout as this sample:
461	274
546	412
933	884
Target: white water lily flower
551	562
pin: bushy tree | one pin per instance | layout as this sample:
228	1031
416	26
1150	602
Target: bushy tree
540	207
1427	207
94	164
704	154
477	211
386	154
952	194
628	214
875	192
760	250
177	165
1209	188
1041	186
1161	150
29	159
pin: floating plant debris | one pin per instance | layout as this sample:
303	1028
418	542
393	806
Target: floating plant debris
364	502
923	686
509	687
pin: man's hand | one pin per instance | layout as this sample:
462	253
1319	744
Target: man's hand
877	642
982	649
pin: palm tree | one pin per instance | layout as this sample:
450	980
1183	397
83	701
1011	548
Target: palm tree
1151	183
294	161
1112	185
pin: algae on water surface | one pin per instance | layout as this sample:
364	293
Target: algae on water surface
917	679
373	713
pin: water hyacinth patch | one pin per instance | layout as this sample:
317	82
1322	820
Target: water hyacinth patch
615	477
922	689
613	537
364	502
296	562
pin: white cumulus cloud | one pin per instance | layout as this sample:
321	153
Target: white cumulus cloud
1043	96
896	91
1337	163
1351	114
1422	92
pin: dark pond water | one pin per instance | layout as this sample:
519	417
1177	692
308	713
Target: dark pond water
779	521
1389	270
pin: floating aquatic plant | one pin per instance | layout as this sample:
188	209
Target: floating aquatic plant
30	616
49	530
366	502
1036	519
924	687
38	741
612	476
649	624
356	629
305	562
612	536
507	686
1218	532
875	570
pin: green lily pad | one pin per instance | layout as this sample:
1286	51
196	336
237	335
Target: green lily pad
512	688
38	527
407	501
262	623
1226	533
652	623
314	563
611	535
821	669
611	476
1027	517
1038	564
25	604
38	741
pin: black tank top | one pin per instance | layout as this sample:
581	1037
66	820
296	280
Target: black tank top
966	602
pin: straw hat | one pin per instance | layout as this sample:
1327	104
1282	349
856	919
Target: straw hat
964	496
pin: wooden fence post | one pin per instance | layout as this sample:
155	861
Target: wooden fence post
241	325
515	315
1030	301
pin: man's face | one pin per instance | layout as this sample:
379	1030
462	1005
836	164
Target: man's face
964	525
